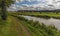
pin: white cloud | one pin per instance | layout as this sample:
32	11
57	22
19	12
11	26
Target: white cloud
26	0
46	4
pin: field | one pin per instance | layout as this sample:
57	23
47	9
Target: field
19	26
41	14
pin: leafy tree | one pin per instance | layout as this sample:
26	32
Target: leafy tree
3	5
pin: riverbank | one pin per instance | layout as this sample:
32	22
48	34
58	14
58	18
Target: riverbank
42	14
50	21
38	29
19	26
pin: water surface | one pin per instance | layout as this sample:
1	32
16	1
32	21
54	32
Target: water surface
51	21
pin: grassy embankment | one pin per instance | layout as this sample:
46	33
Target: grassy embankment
41	14
19	26
39	29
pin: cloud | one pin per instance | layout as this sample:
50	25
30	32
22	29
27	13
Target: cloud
36	5
29	0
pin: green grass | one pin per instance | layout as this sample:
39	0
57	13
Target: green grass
19	26
40	14
39	29
6	28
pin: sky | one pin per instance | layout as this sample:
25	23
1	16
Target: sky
35	5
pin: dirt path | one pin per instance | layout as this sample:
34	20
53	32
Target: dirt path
19	27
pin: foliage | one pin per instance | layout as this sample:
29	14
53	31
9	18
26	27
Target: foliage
7	2
3	6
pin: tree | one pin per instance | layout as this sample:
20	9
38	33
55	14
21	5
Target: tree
3	6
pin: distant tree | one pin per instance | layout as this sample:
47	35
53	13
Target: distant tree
3	6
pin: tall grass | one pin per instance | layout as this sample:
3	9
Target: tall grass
39	29
40	14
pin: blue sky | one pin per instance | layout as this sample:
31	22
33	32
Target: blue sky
30	2
36	4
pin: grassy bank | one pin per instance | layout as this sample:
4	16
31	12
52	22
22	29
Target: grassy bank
19	26
38	29
40	14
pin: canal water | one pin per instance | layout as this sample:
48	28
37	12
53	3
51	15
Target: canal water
50	21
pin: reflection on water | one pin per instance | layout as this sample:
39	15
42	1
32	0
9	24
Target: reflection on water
56	22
